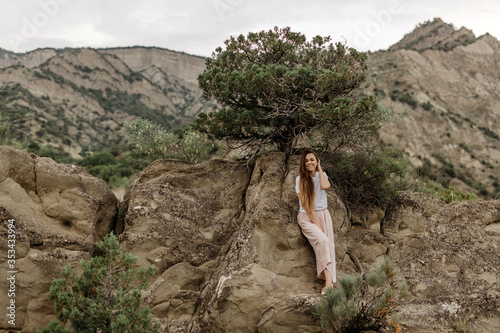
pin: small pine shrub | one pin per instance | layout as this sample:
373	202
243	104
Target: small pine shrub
408	99
105	298
362	302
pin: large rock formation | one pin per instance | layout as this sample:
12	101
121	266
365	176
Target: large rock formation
226	245
228	253
262	277
59	212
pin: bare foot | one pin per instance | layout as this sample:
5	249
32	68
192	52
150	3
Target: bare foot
330	285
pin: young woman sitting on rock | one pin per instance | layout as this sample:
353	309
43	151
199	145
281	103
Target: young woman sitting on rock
314	218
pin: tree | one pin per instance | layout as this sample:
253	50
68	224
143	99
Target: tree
105	298
274	86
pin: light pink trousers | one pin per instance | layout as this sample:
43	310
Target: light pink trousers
322	242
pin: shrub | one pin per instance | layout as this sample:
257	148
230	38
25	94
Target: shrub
448	195
368	177
157	142
363	302
427	106
105	298
408	99
4	129
115	167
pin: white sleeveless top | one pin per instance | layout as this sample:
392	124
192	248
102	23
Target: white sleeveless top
320	201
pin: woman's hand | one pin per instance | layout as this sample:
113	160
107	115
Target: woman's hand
313	219
325	184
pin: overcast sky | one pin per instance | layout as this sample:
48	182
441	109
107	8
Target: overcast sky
199	26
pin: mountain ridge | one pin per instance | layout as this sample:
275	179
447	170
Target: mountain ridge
445	79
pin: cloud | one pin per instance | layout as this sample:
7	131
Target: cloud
199	26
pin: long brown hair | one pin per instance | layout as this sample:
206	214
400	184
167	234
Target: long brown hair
306	185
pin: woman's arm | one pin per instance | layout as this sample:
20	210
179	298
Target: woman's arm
323	181
312	217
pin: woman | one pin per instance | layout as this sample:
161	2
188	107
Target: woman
314	218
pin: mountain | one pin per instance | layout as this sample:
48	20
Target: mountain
444	79
78	99
447	82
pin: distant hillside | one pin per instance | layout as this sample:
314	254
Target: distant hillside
78	99
447	81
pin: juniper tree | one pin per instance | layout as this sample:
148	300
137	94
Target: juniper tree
274	86
105	298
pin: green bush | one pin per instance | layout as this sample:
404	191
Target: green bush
55	153
115	167
408	99
450	195
362	302
157	142
369	177
105	298
427	106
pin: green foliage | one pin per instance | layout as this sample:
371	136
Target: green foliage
450	195
115	166
55	153
4	129
362	302
403	96
368	177
157	142
427	106
106	297
274	86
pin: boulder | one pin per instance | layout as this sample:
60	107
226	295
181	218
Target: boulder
59	212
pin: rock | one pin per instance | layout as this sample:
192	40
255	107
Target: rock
229	255
231	237
450	261
59	212
178	212
404	216
291	314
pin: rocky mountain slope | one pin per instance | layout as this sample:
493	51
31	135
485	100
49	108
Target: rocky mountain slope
447	82
228	253
78	99
445	79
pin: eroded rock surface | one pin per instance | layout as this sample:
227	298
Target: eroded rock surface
227	250
59	212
